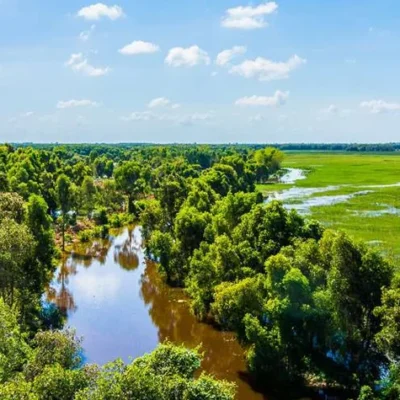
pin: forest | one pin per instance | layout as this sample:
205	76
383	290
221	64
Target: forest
314	308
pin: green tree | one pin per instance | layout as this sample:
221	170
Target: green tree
88	190
65	201
127	177
14	350
232	301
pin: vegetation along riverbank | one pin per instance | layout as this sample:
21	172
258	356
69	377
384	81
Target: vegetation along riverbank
315	310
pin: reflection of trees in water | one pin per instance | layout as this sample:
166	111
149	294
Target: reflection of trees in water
97	250
126	254
82	254
61	296
169	311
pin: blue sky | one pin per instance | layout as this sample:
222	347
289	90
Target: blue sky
200	71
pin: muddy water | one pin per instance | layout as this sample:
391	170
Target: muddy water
117	301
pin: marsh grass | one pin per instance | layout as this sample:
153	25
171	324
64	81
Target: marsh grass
352	173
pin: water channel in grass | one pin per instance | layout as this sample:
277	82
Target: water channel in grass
116	300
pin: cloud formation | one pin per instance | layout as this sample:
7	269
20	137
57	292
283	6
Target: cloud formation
226	56
380	106
160	102
97	11
139	47
187	57
278	99
76	103
78	63
248	17
267	70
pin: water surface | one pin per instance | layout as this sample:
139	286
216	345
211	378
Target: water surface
117	301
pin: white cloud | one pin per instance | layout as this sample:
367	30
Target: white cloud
159	102
78	63
267	70
97	11
85	35
380	106
187	57
214	74
189	119
248	17
226	56
76	103
332	109
279	98
139	47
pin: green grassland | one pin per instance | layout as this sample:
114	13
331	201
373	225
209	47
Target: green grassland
363	216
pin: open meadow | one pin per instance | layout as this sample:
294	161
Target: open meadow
357	193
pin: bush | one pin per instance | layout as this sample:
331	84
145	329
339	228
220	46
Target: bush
85	236
100	216
101	232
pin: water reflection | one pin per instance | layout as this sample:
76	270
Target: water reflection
117	301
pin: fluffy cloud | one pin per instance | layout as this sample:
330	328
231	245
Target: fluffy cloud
139	47
226	56
380	106
85	35
162	102
267	70
76	103
97	11
187	57
248	17
78	63
279	98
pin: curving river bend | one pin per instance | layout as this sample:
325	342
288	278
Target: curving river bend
118	303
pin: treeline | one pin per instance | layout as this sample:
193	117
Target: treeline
119	148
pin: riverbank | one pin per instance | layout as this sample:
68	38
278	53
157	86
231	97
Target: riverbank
120	305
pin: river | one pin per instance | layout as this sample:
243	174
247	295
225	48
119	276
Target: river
118	303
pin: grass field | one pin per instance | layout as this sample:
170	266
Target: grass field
361	188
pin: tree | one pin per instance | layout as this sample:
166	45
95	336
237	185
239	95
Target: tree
17	248
127	176
65	200
14	351
39	223
12	207
232	301
88	190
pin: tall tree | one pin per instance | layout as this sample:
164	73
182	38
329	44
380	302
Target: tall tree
64	197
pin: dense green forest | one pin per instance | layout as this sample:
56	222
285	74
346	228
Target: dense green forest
313	307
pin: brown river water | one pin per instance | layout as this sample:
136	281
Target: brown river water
118	303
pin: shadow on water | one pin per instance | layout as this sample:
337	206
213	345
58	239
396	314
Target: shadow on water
115	298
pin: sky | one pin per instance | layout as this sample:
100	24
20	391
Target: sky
204	71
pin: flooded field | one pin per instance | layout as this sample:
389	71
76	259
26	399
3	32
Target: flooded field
357	193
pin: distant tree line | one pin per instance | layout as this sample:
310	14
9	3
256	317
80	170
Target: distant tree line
85	149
